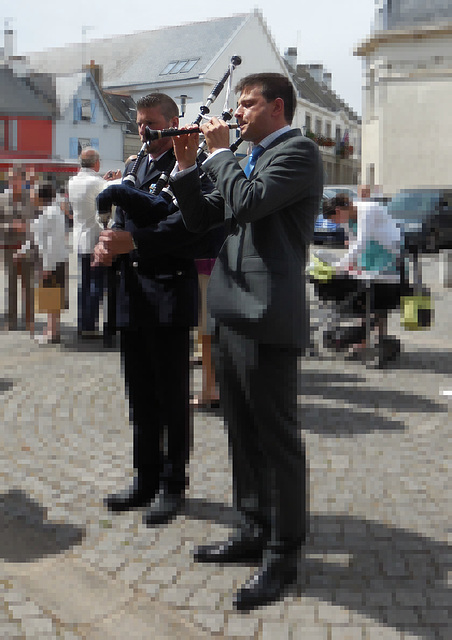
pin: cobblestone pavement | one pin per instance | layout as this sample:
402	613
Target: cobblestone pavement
378	564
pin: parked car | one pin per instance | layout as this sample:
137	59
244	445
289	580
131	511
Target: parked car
425	218
332	190
327	231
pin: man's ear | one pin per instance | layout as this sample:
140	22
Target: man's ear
278	107
174	122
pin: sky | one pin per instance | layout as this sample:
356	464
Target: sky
324	31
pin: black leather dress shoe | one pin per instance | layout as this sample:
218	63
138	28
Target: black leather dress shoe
164	508
269	583
239	548
137	495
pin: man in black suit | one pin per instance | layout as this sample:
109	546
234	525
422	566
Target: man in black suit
157	305
257	304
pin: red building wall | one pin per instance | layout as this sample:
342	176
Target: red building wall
34	137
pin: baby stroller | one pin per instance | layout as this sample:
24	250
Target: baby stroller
354	312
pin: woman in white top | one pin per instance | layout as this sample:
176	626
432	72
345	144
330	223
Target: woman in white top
47	234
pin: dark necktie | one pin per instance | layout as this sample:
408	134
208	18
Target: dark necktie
255	153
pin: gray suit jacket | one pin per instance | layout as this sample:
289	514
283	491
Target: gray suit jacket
258	283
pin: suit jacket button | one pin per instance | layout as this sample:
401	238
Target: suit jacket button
178	273
135	264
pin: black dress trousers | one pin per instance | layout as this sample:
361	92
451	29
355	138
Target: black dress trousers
156	367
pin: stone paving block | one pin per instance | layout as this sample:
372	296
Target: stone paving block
68	635
176	595
131	572
329	613
272	630
36	626
205	598
24	609
152	589
163	575
72	592
302	612
300	631
241	626
381	633
341	632
10	631
211	621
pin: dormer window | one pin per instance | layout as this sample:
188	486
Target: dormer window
179	66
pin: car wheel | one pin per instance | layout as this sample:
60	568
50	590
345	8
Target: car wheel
431	242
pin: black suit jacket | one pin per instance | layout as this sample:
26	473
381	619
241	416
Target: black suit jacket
258	283
158	282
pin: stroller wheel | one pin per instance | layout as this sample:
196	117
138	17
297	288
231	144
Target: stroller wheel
330	340
388	350
342	338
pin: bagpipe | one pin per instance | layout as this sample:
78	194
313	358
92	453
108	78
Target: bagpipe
147	208
151	204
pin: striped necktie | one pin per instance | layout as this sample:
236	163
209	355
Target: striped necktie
255	153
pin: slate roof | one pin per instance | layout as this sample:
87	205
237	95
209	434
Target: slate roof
318	92
32	95
139	58
120	108
403	14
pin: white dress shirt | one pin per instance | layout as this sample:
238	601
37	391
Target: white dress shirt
83	190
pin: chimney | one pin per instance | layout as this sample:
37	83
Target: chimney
291	56
316	71
9	44
327	79
96	71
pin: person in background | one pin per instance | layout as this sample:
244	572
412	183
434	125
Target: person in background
374	252
83	189
16	212
209	398
47	233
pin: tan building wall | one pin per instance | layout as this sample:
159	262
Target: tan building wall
407	115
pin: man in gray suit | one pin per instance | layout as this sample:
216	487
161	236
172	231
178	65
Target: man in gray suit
259	317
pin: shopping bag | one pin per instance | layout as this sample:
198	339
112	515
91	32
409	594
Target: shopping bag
48	299
416	311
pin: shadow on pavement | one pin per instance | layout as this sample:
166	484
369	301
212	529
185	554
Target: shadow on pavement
395	576
25	533
200	509
342	421
338	387
6	385
70	341
427	359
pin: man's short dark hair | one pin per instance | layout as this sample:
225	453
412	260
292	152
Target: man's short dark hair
330	204
273	85
167	105
46	193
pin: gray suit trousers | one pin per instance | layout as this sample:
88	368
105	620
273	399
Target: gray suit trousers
258	388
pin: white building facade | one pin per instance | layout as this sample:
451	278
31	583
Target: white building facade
186	62
407	96
84	121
